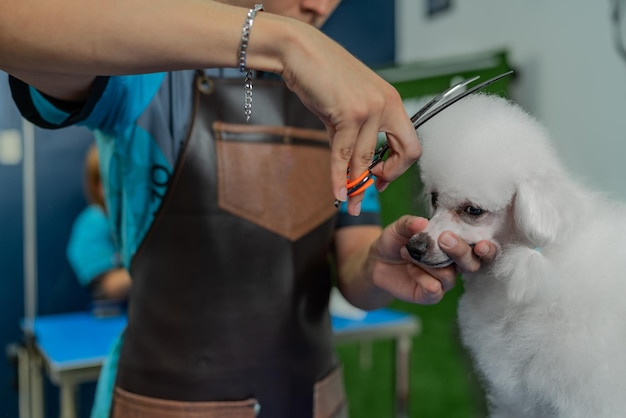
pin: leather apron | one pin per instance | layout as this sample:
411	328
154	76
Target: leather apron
228	314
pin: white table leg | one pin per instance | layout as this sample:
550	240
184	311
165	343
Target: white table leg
23	376
403	374
36	385
68	400
30	383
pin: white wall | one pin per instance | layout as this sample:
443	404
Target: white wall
571	76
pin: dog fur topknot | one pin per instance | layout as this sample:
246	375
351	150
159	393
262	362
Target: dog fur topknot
545	322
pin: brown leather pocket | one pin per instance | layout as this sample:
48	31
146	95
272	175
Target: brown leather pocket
130	405
329	396
275	177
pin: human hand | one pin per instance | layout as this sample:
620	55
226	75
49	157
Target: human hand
355	104
466	259
115	283
393	270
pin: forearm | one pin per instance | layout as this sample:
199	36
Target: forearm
110	37
356	267
117	36
357	286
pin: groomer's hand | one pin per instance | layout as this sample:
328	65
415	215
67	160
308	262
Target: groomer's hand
355	104
390	267
393	270
466	259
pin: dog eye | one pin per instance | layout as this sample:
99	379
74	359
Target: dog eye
473	211
433	199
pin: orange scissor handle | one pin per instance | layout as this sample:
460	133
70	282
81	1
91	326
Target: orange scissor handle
358	185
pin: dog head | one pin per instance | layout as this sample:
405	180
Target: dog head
489	173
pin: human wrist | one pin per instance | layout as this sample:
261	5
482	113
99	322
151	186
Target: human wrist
245	36
243	54
273	43
372	292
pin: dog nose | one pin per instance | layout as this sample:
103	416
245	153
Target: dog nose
419	245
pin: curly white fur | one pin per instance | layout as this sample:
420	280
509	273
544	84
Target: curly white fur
546	322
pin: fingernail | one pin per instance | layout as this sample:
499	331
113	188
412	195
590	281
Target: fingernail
482	250
357	209
343	194
447	241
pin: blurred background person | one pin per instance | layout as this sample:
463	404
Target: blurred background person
92	251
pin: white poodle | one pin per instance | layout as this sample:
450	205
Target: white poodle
546	322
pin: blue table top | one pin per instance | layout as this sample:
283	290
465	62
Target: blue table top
373	319
80	339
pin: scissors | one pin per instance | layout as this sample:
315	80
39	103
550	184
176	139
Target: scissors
430	109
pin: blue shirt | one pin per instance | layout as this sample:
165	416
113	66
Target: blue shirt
91	249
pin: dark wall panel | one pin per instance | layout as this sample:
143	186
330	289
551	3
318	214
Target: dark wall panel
366	28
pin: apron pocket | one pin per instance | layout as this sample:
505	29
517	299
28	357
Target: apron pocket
130	405
275	177
329	398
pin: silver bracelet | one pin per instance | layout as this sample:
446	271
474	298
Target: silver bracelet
243	50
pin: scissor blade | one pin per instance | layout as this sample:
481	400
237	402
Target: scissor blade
420	113
423	118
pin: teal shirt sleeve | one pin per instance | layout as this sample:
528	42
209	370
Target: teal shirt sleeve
91	250
112	107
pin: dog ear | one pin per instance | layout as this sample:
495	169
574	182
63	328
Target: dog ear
536	211
526	270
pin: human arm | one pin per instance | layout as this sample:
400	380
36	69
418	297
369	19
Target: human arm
136	36
374	267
